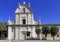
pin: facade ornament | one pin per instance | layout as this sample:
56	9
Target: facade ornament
29	4
24	2
19	6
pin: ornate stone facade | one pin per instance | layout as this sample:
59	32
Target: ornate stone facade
24	19
23	16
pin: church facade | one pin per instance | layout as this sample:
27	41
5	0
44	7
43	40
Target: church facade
23	17
24	21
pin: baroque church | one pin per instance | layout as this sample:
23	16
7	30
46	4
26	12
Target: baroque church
24	19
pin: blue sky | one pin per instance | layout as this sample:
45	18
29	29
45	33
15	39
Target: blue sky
48	10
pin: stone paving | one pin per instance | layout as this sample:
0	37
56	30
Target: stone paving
30	41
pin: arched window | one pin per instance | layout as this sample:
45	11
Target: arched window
23	10
24	21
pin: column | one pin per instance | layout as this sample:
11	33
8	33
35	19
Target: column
41	32
31	31
19	33
9	33
16	33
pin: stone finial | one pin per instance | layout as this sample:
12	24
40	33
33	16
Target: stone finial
29	4
8	18
24	2
39	19
19	6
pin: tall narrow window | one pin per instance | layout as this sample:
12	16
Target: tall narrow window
24	21
12	29
24	10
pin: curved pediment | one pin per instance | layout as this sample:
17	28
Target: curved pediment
23	9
